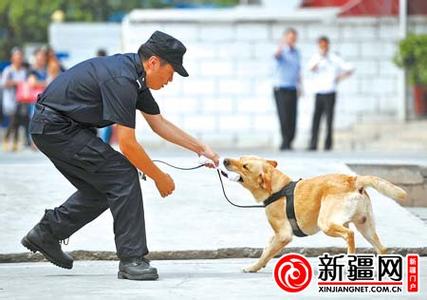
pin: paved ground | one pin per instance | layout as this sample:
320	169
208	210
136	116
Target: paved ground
193	279
420	212
195	217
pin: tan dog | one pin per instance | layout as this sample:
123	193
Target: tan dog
328	203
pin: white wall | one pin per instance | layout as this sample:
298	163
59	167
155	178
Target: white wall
82	40
227	100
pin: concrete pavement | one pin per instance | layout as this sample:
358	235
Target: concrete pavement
195	222
183	279
195	217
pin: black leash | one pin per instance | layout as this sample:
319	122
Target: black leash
220	179
236	205
290	210
144	177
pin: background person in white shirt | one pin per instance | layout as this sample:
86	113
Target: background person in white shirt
11	77
328	69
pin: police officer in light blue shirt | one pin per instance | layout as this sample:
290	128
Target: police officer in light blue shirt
286	85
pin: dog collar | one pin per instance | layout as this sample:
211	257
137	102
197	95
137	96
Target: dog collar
284	191
288	192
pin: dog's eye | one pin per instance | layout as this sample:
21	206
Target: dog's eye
245	166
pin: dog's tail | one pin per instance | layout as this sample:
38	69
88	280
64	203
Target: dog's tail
383	186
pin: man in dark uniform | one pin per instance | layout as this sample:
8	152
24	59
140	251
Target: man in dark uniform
96	93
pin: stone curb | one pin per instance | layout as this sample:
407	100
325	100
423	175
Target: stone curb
403	174
204	254
412	178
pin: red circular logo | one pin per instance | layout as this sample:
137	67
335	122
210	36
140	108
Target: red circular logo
293	273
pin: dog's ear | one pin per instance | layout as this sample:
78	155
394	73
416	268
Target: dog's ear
273	163
265	178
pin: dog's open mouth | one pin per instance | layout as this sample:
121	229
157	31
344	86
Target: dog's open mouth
233	176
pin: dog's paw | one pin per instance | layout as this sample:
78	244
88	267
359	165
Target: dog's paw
250	269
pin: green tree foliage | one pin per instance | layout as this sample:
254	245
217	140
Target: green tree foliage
23	21
412	56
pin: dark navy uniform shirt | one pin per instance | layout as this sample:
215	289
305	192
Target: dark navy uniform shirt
101	91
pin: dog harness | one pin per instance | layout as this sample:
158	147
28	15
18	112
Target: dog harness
288	192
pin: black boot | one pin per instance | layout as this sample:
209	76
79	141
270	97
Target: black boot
41	239
137	269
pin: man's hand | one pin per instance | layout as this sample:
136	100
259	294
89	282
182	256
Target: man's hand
343	76
165	185
137	156
207	152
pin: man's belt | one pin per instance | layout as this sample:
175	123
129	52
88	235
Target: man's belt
43	107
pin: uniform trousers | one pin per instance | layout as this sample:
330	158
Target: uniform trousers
103	177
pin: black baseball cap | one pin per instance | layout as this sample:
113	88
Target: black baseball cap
168	48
